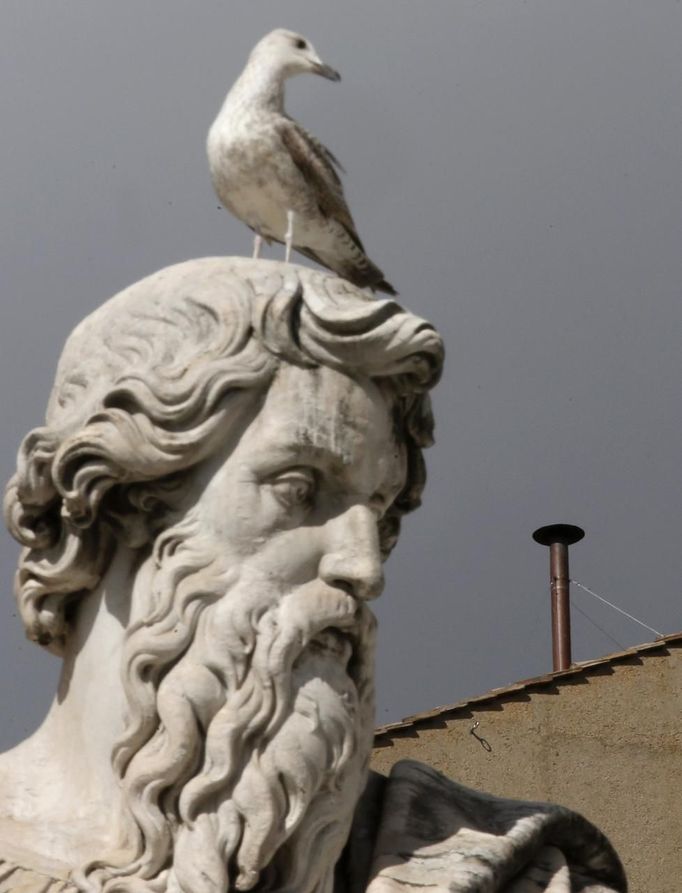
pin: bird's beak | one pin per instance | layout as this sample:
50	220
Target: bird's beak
326	71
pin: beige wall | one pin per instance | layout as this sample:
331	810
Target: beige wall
607	744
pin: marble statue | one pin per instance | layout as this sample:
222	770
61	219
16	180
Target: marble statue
228	450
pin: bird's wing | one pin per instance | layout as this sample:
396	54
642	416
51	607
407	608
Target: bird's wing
321	149
316	164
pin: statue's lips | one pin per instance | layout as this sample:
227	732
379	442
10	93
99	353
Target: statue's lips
334	642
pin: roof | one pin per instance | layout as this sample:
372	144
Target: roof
521	690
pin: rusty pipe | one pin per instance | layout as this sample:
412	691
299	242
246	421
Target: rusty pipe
559	537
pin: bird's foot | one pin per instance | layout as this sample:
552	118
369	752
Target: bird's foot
257	245
289	236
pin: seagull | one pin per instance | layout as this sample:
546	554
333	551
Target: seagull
278	178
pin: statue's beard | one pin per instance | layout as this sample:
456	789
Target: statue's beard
250	728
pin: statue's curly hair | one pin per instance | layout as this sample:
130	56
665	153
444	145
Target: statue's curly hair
146	385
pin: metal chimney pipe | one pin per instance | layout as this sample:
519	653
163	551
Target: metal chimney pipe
559	537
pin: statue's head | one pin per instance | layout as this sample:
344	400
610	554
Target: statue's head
252	433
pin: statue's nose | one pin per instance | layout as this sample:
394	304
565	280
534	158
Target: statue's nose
352	560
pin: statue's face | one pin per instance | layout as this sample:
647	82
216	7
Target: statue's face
298	499
256	616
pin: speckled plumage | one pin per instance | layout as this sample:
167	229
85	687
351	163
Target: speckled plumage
264	165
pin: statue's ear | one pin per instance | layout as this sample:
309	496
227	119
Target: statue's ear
135	511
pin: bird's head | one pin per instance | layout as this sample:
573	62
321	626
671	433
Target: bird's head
292	54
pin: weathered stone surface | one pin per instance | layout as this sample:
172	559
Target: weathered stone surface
437	834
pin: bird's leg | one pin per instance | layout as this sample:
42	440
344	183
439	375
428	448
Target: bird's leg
289	235
257	245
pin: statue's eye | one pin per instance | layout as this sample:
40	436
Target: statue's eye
294	487
300	44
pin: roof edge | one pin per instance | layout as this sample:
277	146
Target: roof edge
535	683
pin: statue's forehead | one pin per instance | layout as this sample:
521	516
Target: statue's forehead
320	410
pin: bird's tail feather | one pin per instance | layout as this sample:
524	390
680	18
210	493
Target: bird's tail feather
364	274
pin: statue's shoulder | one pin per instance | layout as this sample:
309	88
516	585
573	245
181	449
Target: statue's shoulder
14	878
433	831
23	869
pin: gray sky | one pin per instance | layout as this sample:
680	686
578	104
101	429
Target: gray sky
515	169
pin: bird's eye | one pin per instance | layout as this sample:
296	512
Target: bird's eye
300	44
294	487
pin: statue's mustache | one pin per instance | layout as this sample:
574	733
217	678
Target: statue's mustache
314	616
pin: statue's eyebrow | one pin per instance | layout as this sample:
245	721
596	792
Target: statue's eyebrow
326	458
302	453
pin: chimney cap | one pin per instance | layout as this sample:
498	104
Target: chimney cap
558	533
